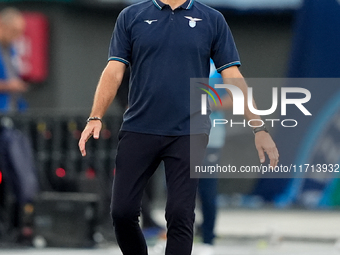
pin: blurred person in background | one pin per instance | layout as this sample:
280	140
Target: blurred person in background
16	155
208	187
12	26
166	43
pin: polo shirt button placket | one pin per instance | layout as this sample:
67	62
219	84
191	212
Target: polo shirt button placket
172	13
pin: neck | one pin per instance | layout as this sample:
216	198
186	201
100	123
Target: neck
174	3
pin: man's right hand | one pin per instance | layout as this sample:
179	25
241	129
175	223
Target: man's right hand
92	128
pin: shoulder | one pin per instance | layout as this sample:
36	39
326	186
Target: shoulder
137	8
211	12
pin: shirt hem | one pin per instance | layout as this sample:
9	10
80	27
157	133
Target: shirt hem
166	133
119	59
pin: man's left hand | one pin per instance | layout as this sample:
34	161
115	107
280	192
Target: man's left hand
265	144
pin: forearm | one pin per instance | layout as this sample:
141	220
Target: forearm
13	85
263	141
106	91
234	77
3	86
241	83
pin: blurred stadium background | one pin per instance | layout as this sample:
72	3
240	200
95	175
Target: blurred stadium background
275	39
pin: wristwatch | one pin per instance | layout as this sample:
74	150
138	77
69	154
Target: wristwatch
258	129
93	118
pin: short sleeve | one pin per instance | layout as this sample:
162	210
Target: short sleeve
120	45
224	52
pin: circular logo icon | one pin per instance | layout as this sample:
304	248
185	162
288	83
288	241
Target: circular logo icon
193	23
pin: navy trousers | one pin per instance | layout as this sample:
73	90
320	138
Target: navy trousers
208	189
138	156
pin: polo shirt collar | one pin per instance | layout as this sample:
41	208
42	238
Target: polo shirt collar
187	5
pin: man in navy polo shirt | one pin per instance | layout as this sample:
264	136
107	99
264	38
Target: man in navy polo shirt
165	43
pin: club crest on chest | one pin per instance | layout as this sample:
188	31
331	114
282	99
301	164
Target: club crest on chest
192	21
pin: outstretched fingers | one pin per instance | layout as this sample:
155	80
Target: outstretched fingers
85	135
92	129
265	145
273	156
262	156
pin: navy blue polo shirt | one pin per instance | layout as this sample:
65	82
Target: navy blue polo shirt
165	48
